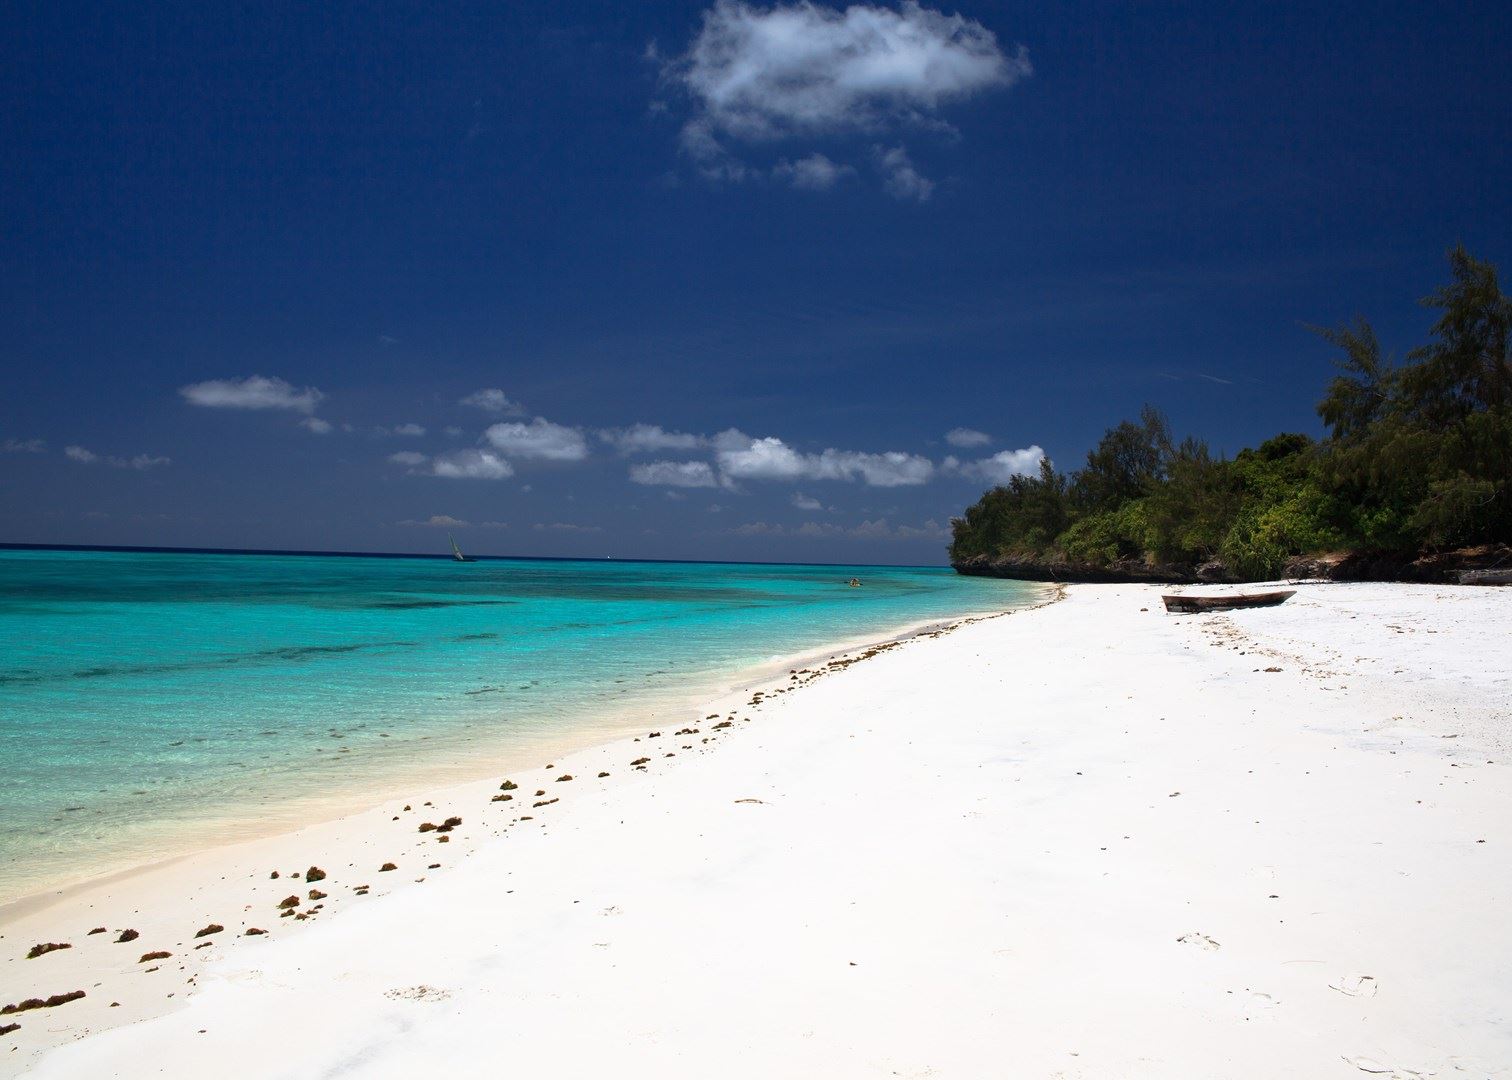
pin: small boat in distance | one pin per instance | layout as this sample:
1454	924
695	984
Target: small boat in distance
1190	605
855	583
456	551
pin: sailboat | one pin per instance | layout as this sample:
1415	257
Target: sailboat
456	551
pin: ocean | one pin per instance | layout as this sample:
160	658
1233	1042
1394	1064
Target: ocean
153	703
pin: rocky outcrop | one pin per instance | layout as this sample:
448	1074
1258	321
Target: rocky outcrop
1438	567
1121	572
1442	567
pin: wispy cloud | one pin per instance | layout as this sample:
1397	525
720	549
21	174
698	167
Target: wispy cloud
540	439
649	439
406	431
1170	377
800	71
967	437
492	400
806	502
900	178
813	173
878	529
470	465
140	462
693	474
253	392
566	526
438	521
316	425
23	446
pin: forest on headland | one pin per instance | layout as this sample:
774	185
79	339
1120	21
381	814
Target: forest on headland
1416	462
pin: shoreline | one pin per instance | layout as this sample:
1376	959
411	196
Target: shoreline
160	886
518	747
1219	845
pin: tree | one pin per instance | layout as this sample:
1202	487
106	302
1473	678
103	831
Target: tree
1356	399
1127	463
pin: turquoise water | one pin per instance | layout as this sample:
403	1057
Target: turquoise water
152	702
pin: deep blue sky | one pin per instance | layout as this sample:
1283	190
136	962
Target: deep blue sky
402	204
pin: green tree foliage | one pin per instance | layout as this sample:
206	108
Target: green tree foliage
1129	463
1023	516
1417	456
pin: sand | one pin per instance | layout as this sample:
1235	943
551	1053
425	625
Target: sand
1090	840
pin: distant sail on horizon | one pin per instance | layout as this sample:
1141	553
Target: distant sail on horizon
456	551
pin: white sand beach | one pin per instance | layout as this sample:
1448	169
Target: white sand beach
1091	840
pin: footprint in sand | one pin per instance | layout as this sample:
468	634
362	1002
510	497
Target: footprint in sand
1199	941
1355	985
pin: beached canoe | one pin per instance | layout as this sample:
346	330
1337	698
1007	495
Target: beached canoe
1188	605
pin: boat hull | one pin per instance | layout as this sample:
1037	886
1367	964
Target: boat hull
1191	605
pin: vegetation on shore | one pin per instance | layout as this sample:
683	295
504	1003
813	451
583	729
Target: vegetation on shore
1417	458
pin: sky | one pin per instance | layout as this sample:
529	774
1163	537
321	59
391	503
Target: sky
673	280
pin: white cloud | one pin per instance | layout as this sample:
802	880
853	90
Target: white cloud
805	502
440	521
492	400
800	71
23	446
1000	467
140	462
674	474
649	438
471	465
408	457
316	424
813	173
538	439
764	73
899	177
744	458
965	437
403	430
758	528
253	392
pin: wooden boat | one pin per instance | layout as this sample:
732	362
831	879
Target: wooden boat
1190	605
1485	577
